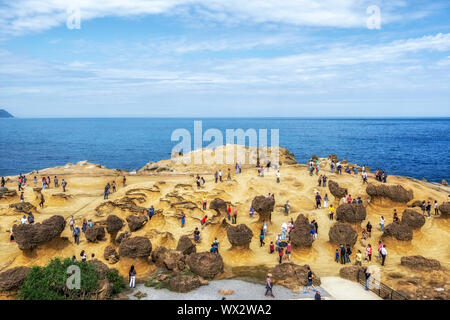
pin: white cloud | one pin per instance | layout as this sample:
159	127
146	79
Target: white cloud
25	16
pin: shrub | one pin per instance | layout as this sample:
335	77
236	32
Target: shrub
49	282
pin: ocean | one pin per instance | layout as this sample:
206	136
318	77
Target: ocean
418	148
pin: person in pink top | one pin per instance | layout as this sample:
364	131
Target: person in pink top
349	198
380	245
368	253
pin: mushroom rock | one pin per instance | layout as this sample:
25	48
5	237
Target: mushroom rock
240	236
342	233
29	236
399	230
186	246
219	206
136	222
351	212
444	209
264	207
413	218
205	264
336	190
95	233
300	236
136	247
113	225
395	193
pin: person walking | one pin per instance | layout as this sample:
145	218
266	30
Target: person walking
436	210
342	254
41	203
63	185
234	216
428	208
280	254
369	229
269	286
204	203
229	212
278	176
318	200
358	258
382	223
76	234
331	212
367	276
261	239
132	277
348	252
288	251
309	278
384	253
368	253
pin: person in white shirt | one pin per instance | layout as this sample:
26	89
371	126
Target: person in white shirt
23	220
384	253
220	175
382	223
344	200
278	176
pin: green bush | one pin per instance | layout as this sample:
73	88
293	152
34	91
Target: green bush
49	282
117	280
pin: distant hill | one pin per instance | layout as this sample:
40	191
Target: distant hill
5	114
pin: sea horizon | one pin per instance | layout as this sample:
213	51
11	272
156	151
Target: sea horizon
412	147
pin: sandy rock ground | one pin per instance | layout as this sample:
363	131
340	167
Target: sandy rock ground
167	188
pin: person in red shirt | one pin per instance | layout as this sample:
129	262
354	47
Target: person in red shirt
229	212
281	254
271	247
204	220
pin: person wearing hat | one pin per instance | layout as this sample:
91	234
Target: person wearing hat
269	286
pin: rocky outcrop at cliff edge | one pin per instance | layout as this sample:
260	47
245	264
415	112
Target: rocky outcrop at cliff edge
420	262
219	206
136	222
398	230
95	233
291	275
239	236
353	273
413	218
29	236
444	209
351	212
186	246
300	236
395	193
336	190
13	279
136	247
264	207
205	264
342	233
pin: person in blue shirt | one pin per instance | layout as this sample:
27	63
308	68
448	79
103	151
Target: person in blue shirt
151	212
183	219
317	296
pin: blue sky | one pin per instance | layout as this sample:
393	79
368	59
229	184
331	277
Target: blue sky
192	58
